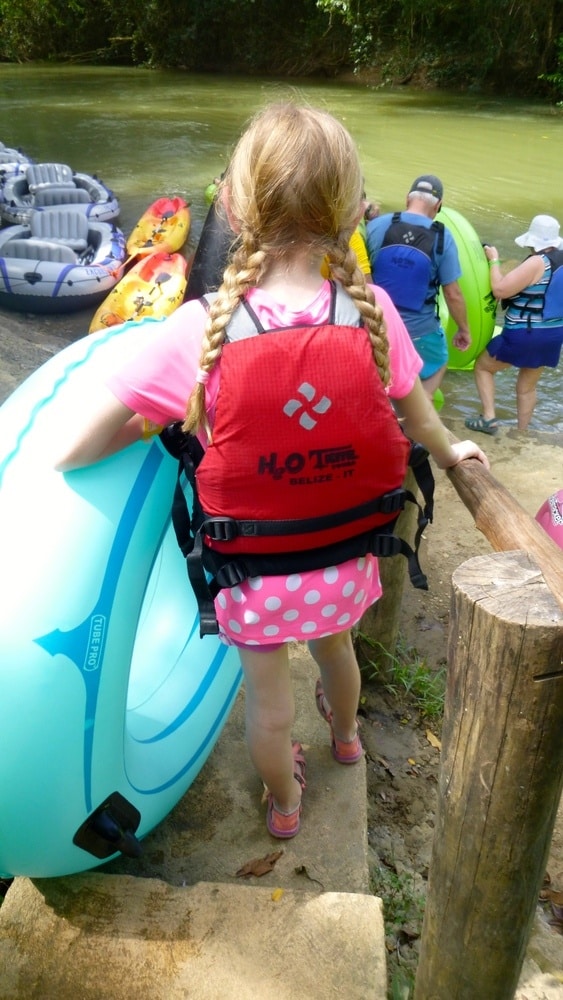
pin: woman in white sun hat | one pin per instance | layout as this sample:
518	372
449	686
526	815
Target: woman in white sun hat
532	335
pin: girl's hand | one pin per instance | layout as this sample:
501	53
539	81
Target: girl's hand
491	253
467	449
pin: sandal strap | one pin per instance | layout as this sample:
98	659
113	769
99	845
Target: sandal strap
300	764
322	703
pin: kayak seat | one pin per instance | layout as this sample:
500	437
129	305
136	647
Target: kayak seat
39	250
38	174
60	194
61	226
12	233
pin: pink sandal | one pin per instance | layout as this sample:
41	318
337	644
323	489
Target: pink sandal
281	824
343	751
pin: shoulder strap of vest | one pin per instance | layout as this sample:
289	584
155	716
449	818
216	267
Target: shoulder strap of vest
555	258
439	228
245	323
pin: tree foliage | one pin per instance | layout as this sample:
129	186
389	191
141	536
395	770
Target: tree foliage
509	46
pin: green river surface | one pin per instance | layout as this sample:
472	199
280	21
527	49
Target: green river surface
147	134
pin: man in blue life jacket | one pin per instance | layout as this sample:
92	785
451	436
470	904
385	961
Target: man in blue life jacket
411	257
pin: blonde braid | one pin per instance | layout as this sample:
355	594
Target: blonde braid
344	268
242	273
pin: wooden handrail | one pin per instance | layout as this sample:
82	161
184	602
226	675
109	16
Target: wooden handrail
504	523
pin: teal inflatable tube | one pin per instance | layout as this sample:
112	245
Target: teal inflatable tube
111	703
475	285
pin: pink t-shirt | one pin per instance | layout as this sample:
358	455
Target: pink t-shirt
269	609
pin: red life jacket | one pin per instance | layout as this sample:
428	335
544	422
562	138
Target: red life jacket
303	430
307	460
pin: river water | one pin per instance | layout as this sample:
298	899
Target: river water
147	134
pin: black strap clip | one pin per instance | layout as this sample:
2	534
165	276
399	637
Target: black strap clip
220	529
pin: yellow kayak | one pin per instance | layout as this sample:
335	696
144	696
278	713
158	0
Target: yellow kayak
153	287
164	226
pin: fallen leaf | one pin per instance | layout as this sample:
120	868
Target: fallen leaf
259	866
411	760
433	740
277	895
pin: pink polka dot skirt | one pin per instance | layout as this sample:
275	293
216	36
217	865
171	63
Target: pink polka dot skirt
275	609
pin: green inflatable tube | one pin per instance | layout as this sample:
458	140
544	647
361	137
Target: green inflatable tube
475	285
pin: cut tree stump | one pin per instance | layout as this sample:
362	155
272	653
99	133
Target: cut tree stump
500	780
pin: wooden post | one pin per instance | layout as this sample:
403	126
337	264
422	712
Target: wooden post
500	780
380	623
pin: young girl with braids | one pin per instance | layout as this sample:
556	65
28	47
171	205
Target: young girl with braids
292	195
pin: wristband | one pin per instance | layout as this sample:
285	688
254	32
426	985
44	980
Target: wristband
495	261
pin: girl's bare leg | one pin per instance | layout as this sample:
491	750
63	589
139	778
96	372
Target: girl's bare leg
340	675
270	713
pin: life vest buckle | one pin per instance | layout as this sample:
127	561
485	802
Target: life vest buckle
231	575
393	501
220	529
387	545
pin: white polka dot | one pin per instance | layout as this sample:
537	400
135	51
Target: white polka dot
271	630
251	617
308	627
221	599
361	563
255	582
272	603
293	582
328	610
251	642
343	620
359	596
369	571
291	638
236	594
291	615
312	597
348	588
330	574
234	626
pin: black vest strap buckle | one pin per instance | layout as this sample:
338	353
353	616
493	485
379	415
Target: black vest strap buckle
231	574
386	545
220	529
392	502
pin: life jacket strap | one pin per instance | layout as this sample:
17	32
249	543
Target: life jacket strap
226	529
207	577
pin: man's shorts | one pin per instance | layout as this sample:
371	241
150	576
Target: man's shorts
433	349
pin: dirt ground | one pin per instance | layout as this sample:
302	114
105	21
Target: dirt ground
402	746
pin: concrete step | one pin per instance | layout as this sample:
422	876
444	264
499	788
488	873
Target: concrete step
179	922
220	824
